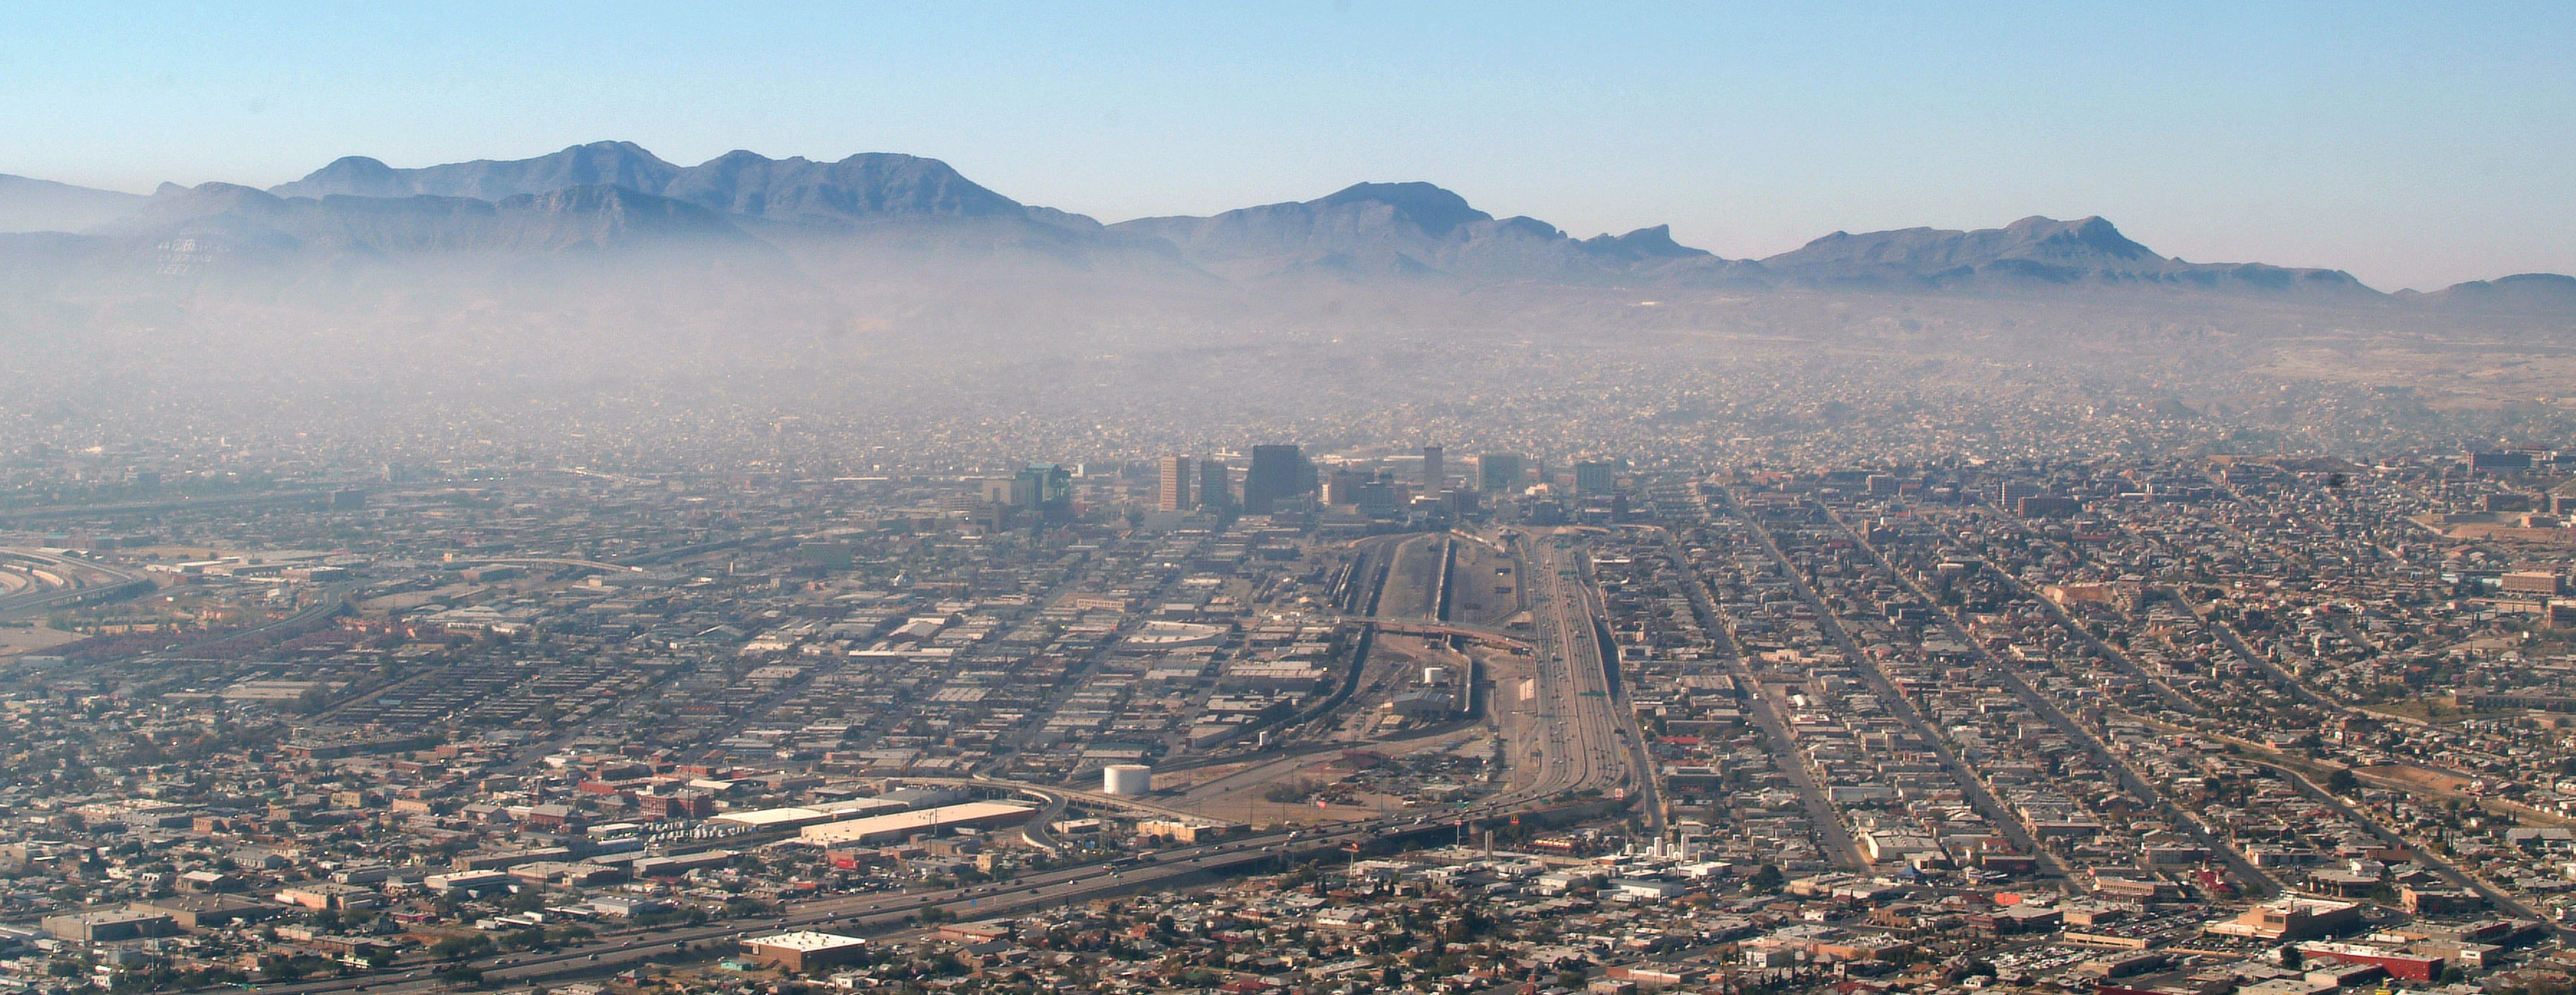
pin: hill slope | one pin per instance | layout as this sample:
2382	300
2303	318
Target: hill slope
44	205
2036	253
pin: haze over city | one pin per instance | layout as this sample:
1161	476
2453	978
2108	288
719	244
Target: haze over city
1296	499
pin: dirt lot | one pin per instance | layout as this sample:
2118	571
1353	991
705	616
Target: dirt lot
32	639
2417	779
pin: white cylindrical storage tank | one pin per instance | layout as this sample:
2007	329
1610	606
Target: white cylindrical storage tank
1435	675
1127	779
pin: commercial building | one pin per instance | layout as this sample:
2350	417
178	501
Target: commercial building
1498	472
1595	477
2542	582
209	911
804	950
1007	491
929	821
1184	830
319	895
1434	472
2046	506
2399	964
1173	492
2500	462
799	816
2292	919
1216	489
1048	488
1278	472
101	925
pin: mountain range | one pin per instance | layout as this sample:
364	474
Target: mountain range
617	196
605	261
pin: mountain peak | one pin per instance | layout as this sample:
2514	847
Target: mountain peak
2540	293
1644	243
2035	253
2090	234
619	146
358	175
864	187
861	187
173	202
1434	210
615	163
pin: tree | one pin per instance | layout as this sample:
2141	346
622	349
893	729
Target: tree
2342	782
531	938
1767	880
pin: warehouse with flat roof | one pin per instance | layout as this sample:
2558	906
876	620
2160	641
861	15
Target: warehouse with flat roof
800	816
929	821
804	950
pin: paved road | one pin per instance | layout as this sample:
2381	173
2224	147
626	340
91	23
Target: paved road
1583	745
1584	751
332	600
76	580
862	913
174	504
2393	839
2129	779
1898	705
1835	836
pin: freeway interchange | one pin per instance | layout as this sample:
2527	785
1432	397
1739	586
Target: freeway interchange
862	913
35	581
619	951
1585	745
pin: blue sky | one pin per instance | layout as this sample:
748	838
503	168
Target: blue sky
2413	144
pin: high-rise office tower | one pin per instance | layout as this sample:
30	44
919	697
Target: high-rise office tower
1277	472
1215	491
1433	473
1595	477
1498	472
1174	495
1048	488
1343	487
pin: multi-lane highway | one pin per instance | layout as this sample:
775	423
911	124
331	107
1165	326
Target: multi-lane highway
1586	745
44	581
862	913
1584	742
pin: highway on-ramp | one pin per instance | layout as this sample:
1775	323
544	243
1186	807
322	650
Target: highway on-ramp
50	580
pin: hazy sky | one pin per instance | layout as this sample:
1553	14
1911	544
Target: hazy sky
2415	144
